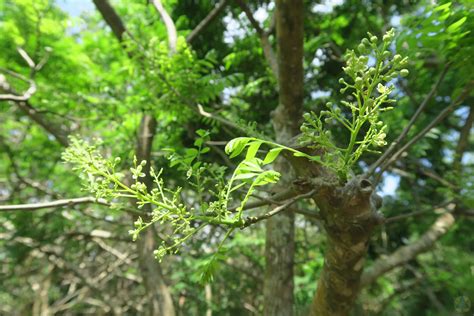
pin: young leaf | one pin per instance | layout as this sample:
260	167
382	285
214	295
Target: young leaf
266	177
453	27
236	146
244	176
252	150
272	155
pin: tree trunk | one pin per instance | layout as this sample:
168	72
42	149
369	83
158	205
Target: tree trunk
280	243
349	214
159	297
159	300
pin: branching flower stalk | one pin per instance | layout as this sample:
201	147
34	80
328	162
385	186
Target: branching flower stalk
369	93
105	182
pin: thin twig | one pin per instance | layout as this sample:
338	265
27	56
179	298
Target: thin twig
266	45
206	21
441	116
61	203
52	204
254	219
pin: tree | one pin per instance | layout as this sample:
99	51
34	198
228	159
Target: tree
160	79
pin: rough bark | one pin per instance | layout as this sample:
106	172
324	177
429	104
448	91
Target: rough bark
349	214
280	243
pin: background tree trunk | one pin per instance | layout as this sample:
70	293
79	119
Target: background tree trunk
159	300
280	243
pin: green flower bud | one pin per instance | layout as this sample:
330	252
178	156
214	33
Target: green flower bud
372	71
397	58
386	54
364	59
361	48
373	39
328	120
329	105
365	41
306	116
341	80
404	72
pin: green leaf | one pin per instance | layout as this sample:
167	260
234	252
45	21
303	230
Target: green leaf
442	7
272	155
252	165
243	176
253	149
191	153
236	146
453	27
315	158
198	142
300	154
201	132
266	177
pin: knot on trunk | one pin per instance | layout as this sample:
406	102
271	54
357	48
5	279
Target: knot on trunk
350	212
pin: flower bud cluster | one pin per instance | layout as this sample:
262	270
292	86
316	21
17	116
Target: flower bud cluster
369	74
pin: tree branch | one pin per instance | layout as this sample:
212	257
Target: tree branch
169	24
406	253
50	127
206	21
111	18
61	203
449	205
254	219
23	101
441	116
267	47
14	97
52	204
